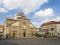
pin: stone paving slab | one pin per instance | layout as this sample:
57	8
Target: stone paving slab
30	41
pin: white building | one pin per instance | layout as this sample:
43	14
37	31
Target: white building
51	28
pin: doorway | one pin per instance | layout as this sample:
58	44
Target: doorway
24	34
13	35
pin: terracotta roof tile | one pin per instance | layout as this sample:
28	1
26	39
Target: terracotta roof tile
51	22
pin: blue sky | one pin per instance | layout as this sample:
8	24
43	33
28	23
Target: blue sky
38	11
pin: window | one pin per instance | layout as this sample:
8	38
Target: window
24	23
44	30
39	28
47	29
52	29
18	17
58	34
14	27
52	34
24	19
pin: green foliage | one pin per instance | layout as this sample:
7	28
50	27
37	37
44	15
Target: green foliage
44	36
38	35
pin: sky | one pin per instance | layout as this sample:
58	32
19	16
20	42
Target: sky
38	11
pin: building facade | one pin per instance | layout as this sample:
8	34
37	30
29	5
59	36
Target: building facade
1	31
51	28
19	27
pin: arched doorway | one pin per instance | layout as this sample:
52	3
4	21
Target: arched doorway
32	34
13	35
24	34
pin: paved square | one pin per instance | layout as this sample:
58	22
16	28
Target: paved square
30	41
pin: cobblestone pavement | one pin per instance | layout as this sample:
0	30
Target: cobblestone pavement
30	41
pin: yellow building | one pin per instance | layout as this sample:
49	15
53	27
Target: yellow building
1	31
19	27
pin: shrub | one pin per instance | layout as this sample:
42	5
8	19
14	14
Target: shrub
38	35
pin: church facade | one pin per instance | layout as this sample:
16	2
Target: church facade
19	27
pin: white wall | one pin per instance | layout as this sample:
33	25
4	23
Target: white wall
49	27
58	29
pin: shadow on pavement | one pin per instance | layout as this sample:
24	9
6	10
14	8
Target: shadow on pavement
3	42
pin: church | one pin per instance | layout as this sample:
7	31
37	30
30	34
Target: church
19	27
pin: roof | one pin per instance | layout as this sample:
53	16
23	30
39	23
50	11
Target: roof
51	22
11	19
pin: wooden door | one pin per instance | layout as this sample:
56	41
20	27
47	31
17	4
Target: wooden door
24	34
13	35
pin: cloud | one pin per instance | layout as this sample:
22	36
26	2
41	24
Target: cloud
0	1
36	24
11	16
44	13
41	21
11	4
56	19
3	10
46	20
52	19
27	6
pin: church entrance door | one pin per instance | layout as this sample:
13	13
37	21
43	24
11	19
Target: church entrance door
24	34
13	35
